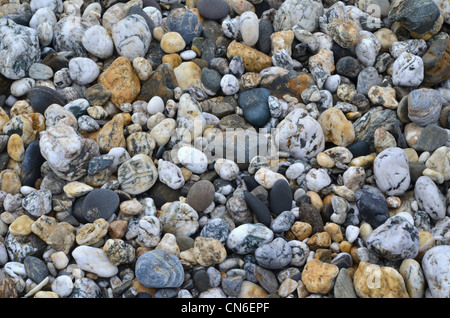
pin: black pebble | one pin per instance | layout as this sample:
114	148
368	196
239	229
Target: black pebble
280	197
100	203
258	208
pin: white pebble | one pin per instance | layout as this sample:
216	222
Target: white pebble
155	105
229	84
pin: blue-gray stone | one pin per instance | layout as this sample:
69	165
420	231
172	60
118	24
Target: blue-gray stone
274	255
35	268
211	79
99	163
166	293
213	9
280	197
283	222
201	280
159	269
232	285
100	203
186	23
424	106
216	228
265	31
431	138
418	16
255	106
368	78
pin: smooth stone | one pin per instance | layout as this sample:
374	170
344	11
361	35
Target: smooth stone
41	97
138	174
408	70
430	198
258	208
434	265
396	239
186	23
31	164
431	138
280	197
94	260
99	203
372	206
266	279
368	78
201	195
254	103
246	238
391	171
170	272
283	222
424	106
343	286
36	269
213	9
414	278
193	159
274	255
97	41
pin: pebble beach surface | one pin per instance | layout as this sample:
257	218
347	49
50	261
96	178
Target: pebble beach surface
224	149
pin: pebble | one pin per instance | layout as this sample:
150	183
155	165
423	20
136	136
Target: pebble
170	274
120	137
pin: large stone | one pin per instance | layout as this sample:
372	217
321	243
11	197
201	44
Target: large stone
305	13
435	268
121	81
337	129
19	49
254	60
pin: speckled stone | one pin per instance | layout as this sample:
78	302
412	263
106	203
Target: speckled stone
100	203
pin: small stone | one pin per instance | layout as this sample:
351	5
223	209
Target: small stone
408	70
216	228
337	129
246	238
213	9
91	233
38	203
391	171
251	290
36	269
343	287
180	218
372	206
430	198
283	222
280	198
99	204
274	255
249	28
170	174
254	103
138	174
21	226
83	70
414	278
193	159
258	208
343	33
119	252
424	106
209	251
254	60
170	274
201	195
172	42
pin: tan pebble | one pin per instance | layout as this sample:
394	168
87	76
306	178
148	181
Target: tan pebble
46	294
75	189
251	290
287	287
142	67
91	233
353	115
117	229
60	260
158	33
9	181
335	231
327	199
188	74
316	201
337	129
373	281
319	276
15	147
173	59
21	107
434	175
21	226
281	40
324	160
302	291
354	254
301	230
172	42
411	154
393	202
131	207
254	60
365	229
385	37
209	251
426	241
7	217
319	240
